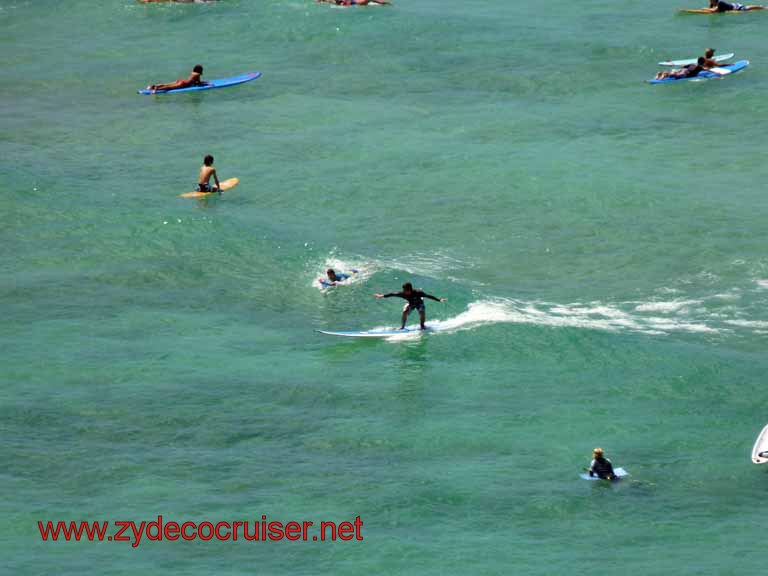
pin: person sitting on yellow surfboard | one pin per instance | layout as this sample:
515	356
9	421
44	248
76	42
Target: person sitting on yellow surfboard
206	171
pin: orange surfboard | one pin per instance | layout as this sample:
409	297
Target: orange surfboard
225	185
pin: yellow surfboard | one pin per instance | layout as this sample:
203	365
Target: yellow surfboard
705	11
225	185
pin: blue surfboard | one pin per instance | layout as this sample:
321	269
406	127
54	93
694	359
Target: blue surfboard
379	333
706	74
210	85
325	283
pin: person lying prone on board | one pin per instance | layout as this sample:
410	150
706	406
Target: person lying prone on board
415	301
334	277
178	1
195	79
206	171
721	6
354	2
685	72
601	466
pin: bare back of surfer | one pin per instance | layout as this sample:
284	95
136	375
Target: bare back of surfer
206	171
194	79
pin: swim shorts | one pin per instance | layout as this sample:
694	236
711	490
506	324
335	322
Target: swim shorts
407	308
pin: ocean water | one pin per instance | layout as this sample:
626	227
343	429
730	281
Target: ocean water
601	243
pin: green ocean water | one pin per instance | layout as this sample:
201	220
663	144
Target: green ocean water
601	243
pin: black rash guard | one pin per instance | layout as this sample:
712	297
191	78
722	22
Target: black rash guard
415	299
601	467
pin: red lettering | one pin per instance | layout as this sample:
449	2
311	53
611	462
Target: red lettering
137	534
275	531
171	531
293	531
323	526
159	526
304	532
184	530
348	528
218	535
235	524
200	531
119	536
94	531
358	525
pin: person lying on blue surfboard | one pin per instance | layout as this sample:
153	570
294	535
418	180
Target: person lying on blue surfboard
334	277
688	71
721	6
195	79
415	301
354	2
601	466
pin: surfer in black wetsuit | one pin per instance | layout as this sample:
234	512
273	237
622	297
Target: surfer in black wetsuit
415	301
601	466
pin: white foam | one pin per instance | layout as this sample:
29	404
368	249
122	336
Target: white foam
594	316
666	307
345	266
748	323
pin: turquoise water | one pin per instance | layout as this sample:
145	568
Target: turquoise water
601	243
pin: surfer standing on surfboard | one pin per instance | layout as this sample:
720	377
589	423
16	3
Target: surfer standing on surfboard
206	171
415	301
195	79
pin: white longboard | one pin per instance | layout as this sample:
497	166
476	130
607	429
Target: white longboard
379	333
760	449
620	473
721	58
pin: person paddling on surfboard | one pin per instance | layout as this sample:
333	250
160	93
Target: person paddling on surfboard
195	79
601	466
355	2
415	301
685	72
206	171
334	277
721	6
709	61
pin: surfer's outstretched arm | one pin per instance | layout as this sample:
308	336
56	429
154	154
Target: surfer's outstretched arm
435	298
